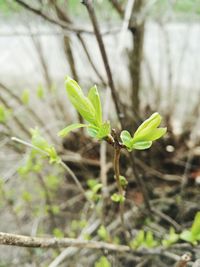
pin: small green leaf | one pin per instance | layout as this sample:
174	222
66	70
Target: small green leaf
93	131
195	230
149	134
102	262
104	130
117	198
81	103
41	143
186	235
126	138
64	132
94	97
141	145
150	242
138	240
40	92
148	130
152	122
96	188
58	233
171	238
123	181
4	114
103	233
25	97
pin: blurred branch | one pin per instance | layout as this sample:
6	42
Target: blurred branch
118	7
93	18
39	242
64	25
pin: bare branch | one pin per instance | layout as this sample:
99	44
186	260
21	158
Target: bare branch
39	242
91	12
118	7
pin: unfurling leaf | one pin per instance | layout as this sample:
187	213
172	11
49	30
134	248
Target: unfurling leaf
94	97
104	130
81	103
64	132
126	138
117	198
146	133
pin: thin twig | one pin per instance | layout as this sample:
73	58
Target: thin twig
120	189
39	242
93	18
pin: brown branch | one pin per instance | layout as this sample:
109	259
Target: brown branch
39	242
93	18
60	23
118	7
66	26
90	59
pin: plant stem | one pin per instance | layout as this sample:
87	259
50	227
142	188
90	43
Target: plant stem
120	189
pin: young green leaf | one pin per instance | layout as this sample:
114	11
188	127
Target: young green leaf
64	132
102	262
104	130
40	92
138	240
195	230
81	103
117	198
94	97
152	122
126	138
141	145
186	235
25	97
4	114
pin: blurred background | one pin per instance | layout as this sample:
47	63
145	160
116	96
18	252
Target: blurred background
152	51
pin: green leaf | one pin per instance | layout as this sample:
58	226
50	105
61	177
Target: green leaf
104	130
103	233
123	181
152	122
195	230
40	92
138	240
97	187
141	145
81	103
58	233
187	236
126	138
149	241
93	131
94	97
171	238
25	97
117	198
64	132
149	134
102	262
38	140
4	114
41	143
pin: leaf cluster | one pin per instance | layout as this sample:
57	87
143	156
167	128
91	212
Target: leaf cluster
89	107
